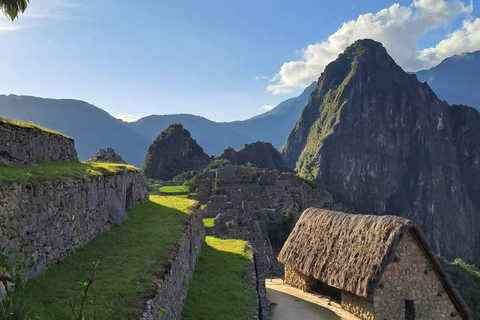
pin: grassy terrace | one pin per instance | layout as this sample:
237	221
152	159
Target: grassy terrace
130	254
174	189
209	222
59	170
219	288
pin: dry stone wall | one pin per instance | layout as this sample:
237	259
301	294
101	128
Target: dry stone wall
412	277
172	290
25	145
51	219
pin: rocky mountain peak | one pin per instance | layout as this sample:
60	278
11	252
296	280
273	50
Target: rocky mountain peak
173	152
383	143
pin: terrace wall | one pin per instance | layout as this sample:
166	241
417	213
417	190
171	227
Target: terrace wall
49	220
25	145
172	288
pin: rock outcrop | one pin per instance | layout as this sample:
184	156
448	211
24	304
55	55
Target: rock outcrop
261	154
173	152
107	156
25	144
383	143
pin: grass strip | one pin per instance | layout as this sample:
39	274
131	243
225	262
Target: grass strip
219	288
60	170
131	256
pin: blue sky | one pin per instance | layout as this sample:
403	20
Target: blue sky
220	59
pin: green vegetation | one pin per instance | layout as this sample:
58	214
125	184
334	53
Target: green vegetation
12	8
131	256
59	170
173	189
219	287
466	278
28	124
209	222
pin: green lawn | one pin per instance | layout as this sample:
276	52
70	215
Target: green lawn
219	288
59	170
209	222
173	189
130	254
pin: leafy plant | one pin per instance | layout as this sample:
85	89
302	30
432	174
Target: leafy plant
11	278
79	306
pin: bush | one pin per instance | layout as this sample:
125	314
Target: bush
466	278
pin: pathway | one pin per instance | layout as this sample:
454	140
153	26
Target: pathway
294	304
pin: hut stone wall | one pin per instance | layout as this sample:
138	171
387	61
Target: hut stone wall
298	280
412	277
358	306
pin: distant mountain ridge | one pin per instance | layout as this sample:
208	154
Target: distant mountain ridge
94	129
456	79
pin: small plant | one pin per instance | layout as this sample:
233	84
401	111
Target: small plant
11	278
79	305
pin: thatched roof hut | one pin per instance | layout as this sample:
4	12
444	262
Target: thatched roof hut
351	252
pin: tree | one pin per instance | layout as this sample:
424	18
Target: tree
12	8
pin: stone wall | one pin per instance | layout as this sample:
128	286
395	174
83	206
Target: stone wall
298	280
358	306
263	304
49	220
25	145
172	289
411	276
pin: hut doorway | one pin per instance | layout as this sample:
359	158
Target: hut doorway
324	289
409	310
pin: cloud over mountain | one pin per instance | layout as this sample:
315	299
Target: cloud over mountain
399	28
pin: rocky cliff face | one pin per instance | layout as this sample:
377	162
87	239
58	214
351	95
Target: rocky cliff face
383	143
173	152
261	154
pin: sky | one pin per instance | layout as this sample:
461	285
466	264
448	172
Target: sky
225	60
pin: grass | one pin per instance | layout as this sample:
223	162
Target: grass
173	189
209	222
59	170
203	206
219	289
131	255
30	125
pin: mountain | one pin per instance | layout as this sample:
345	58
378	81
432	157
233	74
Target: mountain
272	126
259	153
212	136
383	143
91	127
173	152
456	79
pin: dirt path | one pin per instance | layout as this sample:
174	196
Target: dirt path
293	304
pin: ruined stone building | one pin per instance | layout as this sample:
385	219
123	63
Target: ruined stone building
245	200
377	267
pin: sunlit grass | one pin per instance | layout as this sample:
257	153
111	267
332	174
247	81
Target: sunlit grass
209	222
59	170
173	189
30	125
220	288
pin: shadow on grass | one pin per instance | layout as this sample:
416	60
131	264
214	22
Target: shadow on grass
131	256
220	287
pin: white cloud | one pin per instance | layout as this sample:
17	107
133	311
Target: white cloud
268	107
398	27
126	117
261	78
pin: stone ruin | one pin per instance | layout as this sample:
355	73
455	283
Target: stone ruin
245	199
107	156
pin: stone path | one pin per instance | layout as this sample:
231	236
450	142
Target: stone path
294	304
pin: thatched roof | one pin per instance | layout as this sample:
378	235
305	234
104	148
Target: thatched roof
350	251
